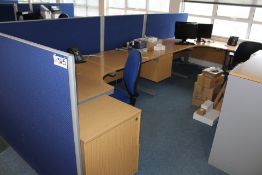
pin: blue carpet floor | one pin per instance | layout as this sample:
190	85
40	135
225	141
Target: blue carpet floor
171	141
3	145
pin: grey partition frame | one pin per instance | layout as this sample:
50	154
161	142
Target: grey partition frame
74	108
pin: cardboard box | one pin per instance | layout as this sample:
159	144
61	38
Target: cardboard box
208	82
151	45
197	102
210	94
200	79
201	111
219	105
200	92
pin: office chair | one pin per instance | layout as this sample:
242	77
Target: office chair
243	52
131	73
63	15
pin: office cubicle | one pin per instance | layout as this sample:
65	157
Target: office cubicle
39	106
91	34
38	96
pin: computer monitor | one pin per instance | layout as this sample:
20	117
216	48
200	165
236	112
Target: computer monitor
185	30
204	31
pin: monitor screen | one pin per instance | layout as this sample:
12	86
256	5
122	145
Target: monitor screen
204	31
186	30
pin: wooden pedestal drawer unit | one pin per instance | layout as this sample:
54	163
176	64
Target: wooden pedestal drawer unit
158	69
109	134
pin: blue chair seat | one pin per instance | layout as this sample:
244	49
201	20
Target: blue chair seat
121	95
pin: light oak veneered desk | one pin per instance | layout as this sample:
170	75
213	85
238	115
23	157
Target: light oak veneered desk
90	83
157	66
109	129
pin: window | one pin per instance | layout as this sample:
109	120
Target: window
258	15
227	28
86	7
199	9
116	3
43	1
137	4
121	7
255	33
233	11
157	6
199	19
242	21
68	1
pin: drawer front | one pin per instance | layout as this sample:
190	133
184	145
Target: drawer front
157	70
116	152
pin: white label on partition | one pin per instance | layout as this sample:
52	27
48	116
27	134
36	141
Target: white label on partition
60	61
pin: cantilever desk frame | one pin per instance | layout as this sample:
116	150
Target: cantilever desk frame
90	75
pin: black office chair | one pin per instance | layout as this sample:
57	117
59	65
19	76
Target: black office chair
63	15
243	52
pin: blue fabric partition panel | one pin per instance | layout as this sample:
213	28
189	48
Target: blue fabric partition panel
82	33
120	29
163	25
35	114
23	7
67	8
7	12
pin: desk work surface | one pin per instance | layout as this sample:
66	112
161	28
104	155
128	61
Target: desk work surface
101	114
217	45
251	69
116	59
90	83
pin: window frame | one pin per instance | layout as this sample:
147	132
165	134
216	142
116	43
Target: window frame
249	20
86	6
126	8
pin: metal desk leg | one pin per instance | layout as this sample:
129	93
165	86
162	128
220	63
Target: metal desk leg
185	55
146	90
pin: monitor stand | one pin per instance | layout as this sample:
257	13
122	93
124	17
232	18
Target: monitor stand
200	40
184	42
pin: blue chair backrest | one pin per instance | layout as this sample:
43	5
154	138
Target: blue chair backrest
131	71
